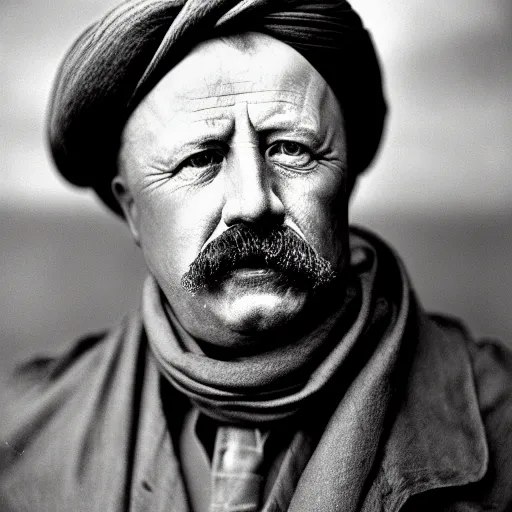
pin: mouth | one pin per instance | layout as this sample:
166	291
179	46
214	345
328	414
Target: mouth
259	277
251	272
250	257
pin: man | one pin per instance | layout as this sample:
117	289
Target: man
280	361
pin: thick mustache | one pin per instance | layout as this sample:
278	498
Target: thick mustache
241	246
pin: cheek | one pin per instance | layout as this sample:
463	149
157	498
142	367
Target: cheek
320	208
173	228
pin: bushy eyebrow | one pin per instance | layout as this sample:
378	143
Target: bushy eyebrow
308	133
287	125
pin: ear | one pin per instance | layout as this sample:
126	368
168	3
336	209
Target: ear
124	197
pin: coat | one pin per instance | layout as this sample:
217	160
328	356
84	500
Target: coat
87	432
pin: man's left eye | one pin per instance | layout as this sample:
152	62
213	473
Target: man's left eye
289	153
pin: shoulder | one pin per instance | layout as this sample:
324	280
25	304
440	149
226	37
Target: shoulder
54	410
41	372
58	379
492	363
491	366
85	358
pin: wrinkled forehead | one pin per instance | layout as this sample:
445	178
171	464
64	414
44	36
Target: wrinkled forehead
253	69
218	66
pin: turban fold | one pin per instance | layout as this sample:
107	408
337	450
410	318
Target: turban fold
118	60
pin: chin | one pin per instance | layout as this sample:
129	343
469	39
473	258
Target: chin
256	311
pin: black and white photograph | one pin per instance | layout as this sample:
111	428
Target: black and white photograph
256	256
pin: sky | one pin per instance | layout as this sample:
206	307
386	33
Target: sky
448	75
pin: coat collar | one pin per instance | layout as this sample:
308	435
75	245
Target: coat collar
438	438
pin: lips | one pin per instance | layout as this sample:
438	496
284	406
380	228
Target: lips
258	277
252	272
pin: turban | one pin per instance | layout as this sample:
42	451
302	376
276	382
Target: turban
118	60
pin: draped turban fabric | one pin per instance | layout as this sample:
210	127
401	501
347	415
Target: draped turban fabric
118	60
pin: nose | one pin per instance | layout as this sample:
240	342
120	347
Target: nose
250	196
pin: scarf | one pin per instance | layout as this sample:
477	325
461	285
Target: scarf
285	380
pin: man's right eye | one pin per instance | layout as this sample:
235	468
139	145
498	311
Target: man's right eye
203	159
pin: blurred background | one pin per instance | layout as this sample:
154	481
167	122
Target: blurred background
440	192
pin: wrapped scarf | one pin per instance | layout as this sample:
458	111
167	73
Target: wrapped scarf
118	60
285	380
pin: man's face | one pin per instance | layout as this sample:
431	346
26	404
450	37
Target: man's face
242	132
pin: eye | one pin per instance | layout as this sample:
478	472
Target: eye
203	159
290	153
